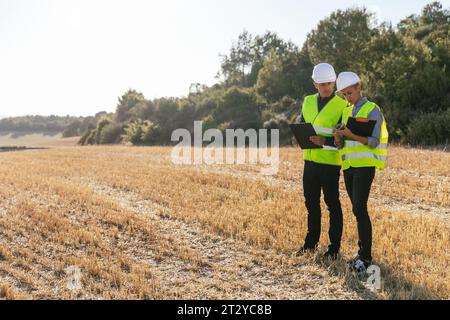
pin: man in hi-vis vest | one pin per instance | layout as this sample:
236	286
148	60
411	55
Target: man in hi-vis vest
322	166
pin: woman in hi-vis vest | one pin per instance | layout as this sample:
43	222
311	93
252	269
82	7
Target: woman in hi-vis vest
360	157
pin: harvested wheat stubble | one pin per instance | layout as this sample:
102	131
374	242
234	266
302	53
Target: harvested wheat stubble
140	227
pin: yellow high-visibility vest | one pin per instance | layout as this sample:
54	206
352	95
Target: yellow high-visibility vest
355	154
323	122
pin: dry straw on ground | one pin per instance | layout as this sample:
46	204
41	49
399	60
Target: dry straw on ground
139	227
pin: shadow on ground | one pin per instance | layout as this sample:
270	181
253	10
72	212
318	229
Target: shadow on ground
393	285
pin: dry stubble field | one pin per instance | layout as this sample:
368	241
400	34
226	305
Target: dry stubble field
139	227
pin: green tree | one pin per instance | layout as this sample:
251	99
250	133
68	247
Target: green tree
237	108
247	55
411	76
127	102
151	134
341	39
287	74
134	131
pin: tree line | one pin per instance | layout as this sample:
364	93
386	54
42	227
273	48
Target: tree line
262	81
68	125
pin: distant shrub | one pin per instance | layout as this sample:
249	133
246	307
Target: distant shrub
110	133
282	125
134	132
429	129
151	134
84	138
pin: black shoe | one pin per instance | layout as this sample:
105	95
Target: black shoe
331	254
305	250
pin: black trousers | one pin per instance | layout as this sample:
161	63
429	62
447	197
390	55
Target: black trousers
358	182
318	177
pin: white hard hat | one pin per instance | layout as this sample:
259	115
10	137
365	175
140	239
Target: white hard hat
323	73
346	79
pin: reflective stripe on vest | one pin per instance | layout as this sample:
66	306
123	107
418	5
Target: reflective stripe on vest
323	130
351	143
356	154
323	122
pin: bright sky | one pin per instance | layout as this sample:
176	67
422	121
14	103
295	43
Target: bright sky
77	56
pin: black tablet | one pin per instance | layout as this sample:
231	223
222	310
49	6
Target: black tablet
361	126
302	132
